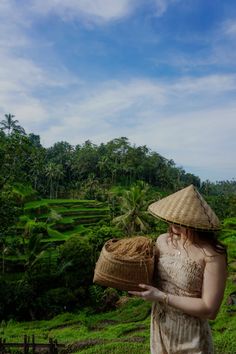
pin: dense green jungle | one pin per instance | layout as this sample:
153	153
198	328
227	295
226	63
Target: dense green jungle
58	206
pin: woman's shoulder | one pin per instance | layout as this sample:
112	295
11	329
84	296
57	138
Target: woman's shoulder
161	239
211	255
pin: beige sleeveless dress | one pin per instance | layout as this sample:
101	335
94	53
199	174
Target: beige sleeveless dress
172	331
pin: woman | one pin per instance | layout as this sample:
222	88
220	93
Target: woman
190	275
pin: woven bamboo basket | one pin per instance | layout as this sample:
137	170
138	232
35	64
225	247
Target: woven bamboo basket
126	269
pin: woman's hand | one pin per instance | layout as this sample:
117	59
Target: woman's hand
150	294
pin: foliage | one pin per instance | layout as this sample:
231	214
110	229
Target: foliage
24	303
22	193
98	235
134	205
6	295
34	251
8	215
55	301
11	125
54	173
103	299
33	227
223	205
78	252
9	211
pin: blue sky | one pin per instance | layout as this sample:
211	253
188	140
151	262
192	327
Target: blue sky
160	72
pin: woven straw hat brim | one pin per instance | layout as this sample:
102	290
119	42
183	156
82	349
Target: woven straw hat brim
187	208
185	224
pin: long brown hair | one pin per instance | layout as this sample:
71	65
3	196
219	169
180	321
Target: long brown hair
209	237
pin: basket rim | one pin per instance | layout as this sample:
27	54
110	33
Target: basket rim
111	257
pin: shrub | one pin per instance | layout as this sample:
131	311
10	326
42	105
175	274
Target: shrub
99	235
77	253
55	301
103	299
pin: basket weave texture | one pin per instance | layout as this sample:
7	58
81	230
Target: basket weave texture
188	208
125	263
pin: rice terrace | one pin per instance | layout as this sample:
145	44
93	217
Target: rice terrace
59	205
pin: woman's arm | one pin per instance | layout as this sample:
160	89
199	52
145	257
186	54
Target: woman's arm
208	305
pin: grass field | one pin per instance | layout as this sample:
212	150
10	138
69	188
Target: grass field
125	330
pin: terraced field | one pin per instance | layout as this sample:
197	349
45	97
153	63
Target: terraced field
57	220
64	217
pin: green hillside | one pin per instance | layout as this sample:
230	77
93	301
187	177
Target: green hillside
59	219
126	329
52	222
58	206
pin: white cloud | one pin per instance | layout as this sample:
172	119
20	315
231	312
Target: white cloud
191	138
161	6
90	12
95	11
117	97
229	28
211	84
23	81
216	50
201	141
23	85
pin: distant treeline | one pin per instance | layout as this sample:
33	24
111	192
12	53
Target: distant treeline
64	170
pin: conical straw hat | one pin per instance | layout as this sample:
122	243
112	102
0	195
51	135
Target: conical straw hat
188	208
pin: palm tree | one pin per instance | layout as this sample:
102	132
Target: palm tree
134	209
54	173
102	165
11	125
35	250
33	247
91	186
4	251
